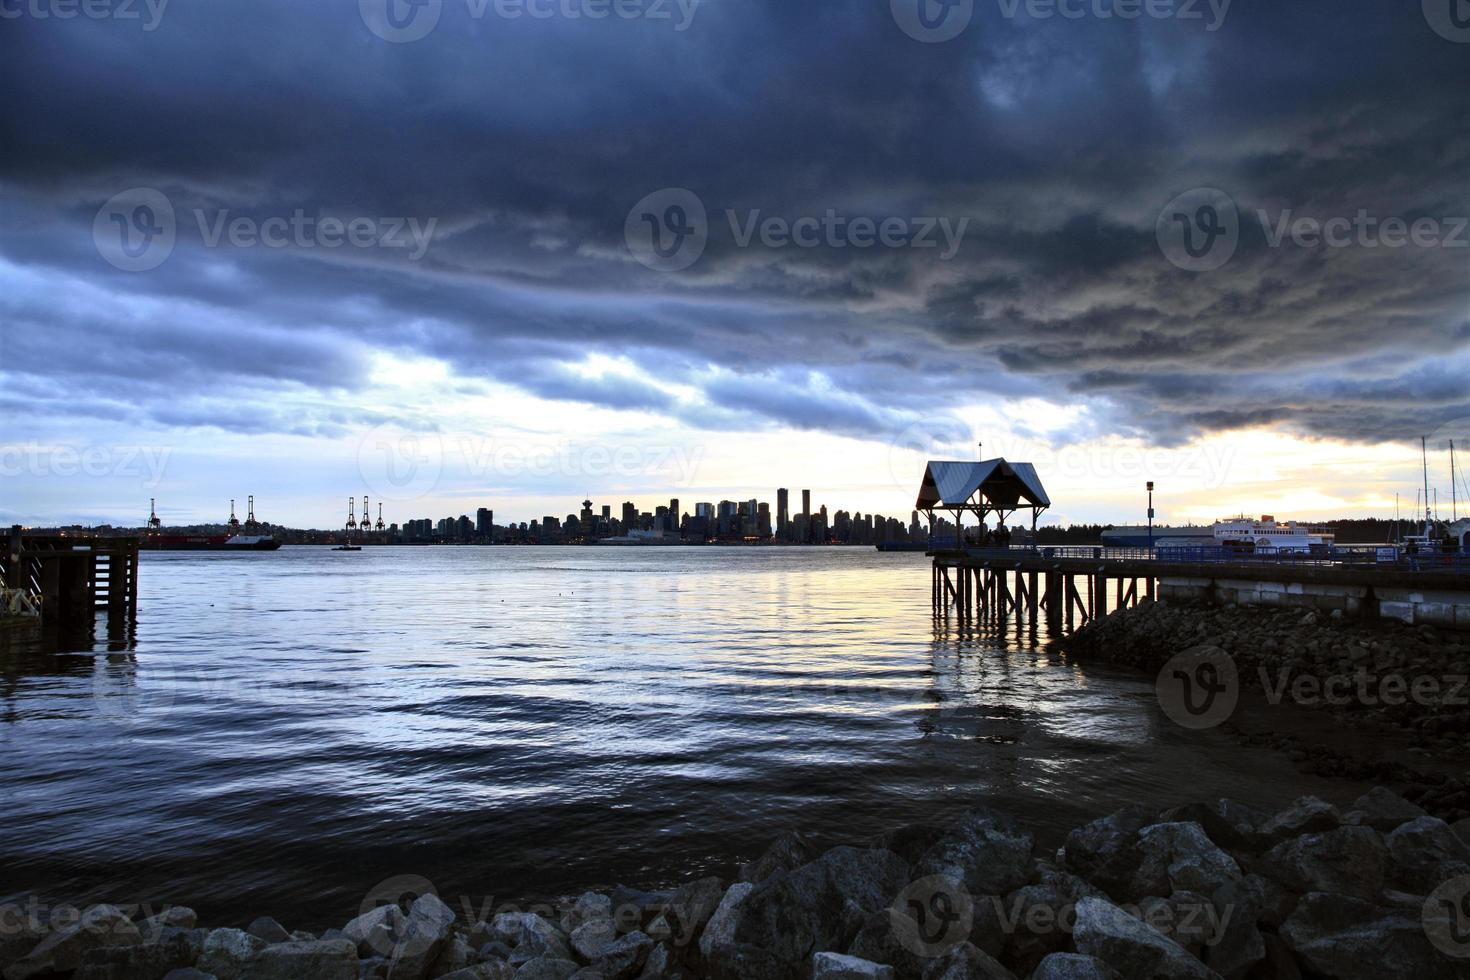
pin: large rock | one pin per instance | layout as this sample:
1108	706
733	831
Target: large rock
1308	815
173	917
321	959
426	930
377	931
688	910
1346	861
546	968
1382	809
1102	851
817	907
144	961
1426	853
1134	949
228	952
787	853
1236	943
982	852
1226	822
1179	857
719	932
837	966
587	907
1073	966
1037	920
493	970
966	962
592	937
623	958
268	929
1351	939
61	951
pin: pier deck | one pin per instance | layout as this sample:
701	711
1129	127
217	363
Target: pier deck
71	579
1073	586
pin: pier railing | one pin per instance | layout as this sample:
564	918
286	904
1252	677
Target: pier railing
1377	556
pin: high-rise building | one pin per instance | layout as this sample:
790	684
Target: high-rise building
630	516
484	523
674	515
783	511
586	520
806	512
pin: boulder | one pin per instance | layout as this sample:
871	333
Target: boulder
321	959
985	854
1462	829
173	917
719	932
1351	939
623	958
688	910
1101	852
1225	822
1426	853
587	907
375	932
909	842
426	930
634	909
966	962
1134	949
493	970
546	968
1073	966
61	950
1037	920
188	973
817	907
20	932
1346	861
268	929
1308	815
659	964
837	966
1178	857
142	961
227	953
1382	809
787	853
1235	943
590	938
456	955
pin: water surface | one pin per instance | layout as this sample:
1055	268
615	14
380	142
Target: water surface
286	730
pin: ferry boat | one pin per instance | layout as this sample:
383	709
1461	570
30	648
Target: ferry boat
1269	533
209	542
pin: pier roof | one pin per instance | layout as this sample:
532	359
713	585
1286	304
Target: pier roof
1001	483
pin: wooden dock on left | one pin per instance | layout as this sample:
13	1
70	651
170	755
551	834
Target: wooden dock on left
73	578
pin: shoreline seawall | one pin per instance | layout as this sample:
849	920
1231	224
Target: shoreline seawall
1204	890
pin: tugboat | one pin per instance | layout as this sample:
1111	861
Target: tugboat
239	539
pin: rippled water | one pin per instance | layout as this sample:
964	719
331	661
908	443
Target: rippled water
289	729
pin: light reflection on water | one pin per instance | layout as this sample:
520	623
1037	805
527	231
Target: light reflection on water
291	728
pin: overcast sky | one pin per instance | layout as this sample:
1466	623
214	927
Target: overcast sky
308	250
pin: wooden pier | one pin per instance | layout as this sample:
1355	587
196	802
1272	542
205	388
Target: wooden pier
980	586
71	579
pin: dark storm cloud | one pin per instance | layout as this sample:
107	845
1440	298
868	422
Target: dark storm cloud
527	142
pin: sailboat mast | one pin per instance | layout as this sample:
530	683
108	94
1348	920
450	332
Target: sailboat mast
1424	456
1454	500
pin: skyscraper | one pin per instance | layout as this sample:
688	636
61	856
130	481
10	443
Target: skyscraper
674	515
783	511
484	523
806	513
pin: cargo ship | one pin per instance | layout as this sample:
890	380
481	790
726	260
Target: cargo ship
153	538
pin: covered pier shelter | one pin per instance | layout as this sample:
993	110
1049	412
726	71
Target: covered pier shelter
990	488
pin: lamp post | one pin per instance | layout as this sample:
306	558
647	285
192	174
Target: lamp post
1150	516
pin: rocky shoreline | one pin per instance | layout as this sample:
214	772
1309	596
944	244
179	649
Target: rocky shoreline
1389	677
1378	889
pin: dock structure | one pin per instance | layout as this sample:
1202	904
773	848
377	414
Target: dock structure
1069	587
70	579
